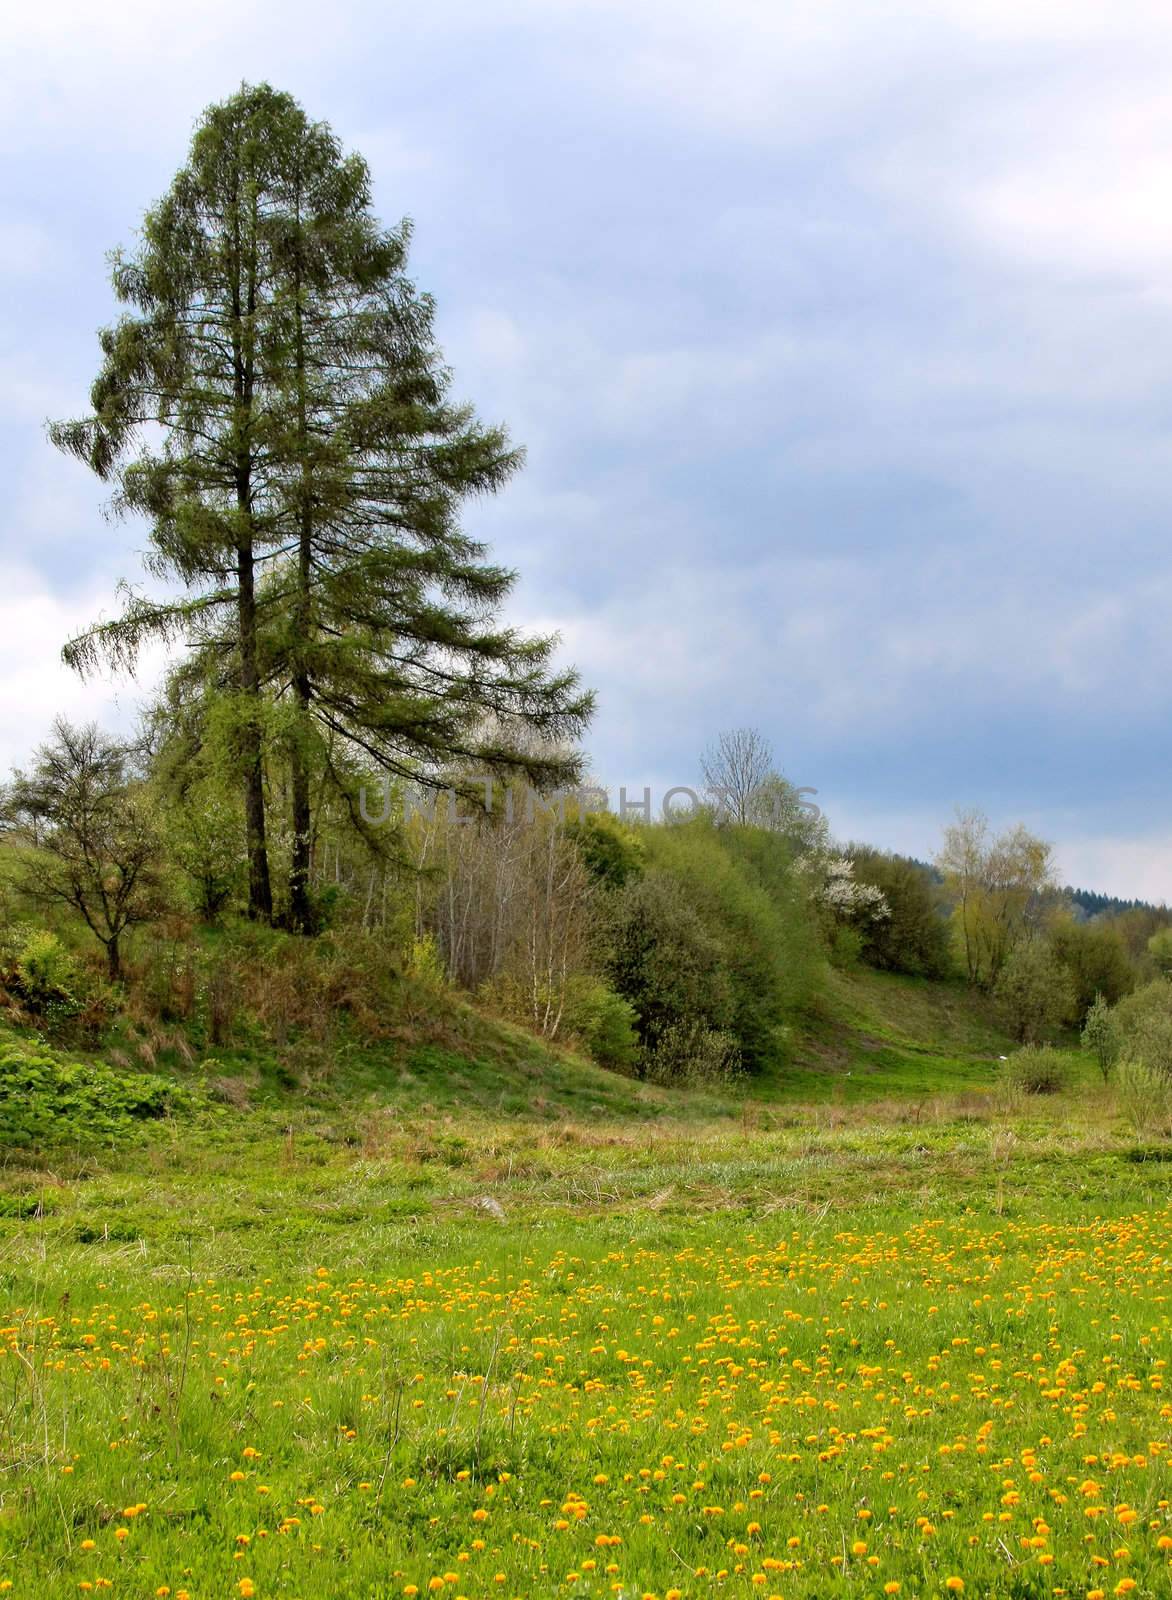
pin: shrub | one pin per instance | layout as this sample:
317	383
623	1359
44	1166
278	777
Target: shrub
46	1100
579	1009
846	947
767	861
1160	950
613	854
914	937
688	1053
738	888
43	975
665	961
1100	1035
1034	992
426	965
203	830
603	1021
1036	1069
1145	1096
1096	958
1143	1025
1150	1041
45	967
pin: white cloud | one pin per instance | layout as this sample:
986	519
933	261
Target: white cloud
1134	868
35	685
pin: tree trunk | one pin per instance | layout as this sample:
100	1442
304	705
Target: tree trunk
300	909
113	960
260	889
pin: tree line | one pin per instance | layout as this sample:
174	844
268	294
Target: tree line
689	947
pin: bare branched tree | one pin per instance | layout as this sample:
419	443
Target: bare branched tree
735	768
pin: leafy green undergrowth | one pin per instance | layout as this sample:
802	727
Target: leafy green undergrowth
46	1098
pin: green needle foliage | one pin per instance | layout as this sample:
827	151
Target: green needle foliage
304	479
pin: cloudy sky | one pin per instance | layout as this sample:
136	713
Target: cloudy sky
840	337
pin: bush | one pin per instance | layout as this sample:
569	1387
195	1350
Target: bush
739	951
914	938
203	830
1100	1035
426	965
44	966
43	976
688	1053
613	854
1037	1069
1150	1041
1034	992
45	1100
791	927
581	1009
1145	1096
712	944
1160	950
1096	958
665	961
1143	1025
604	1023
254	982
846	947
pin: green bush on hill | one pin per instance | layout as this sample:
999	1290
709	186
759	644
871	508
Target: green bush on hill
46	1100
1096	958
1037	1069
1143	1026
914	937
665	960
713	938
1034	992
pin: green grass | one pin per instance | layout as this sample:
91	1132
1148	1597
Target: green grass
877	1034
295	1336
715	1398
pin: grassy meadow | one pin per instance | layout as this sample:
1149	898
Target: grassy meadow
418	1328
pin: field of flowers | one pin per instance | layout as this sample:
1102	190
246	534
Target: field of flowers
643	1406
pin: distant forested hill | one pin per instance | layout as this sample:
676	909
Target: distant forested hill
1094	904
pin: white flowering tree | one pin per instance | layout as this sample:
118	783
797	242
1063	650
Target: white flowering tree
836	893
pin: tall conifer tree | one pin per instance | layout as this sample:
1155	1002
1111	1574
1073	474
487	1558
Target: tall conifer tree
309	482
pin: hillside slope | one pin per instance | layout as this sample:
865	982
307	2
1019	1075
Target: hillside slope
457	1120
876	1034
873	1036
